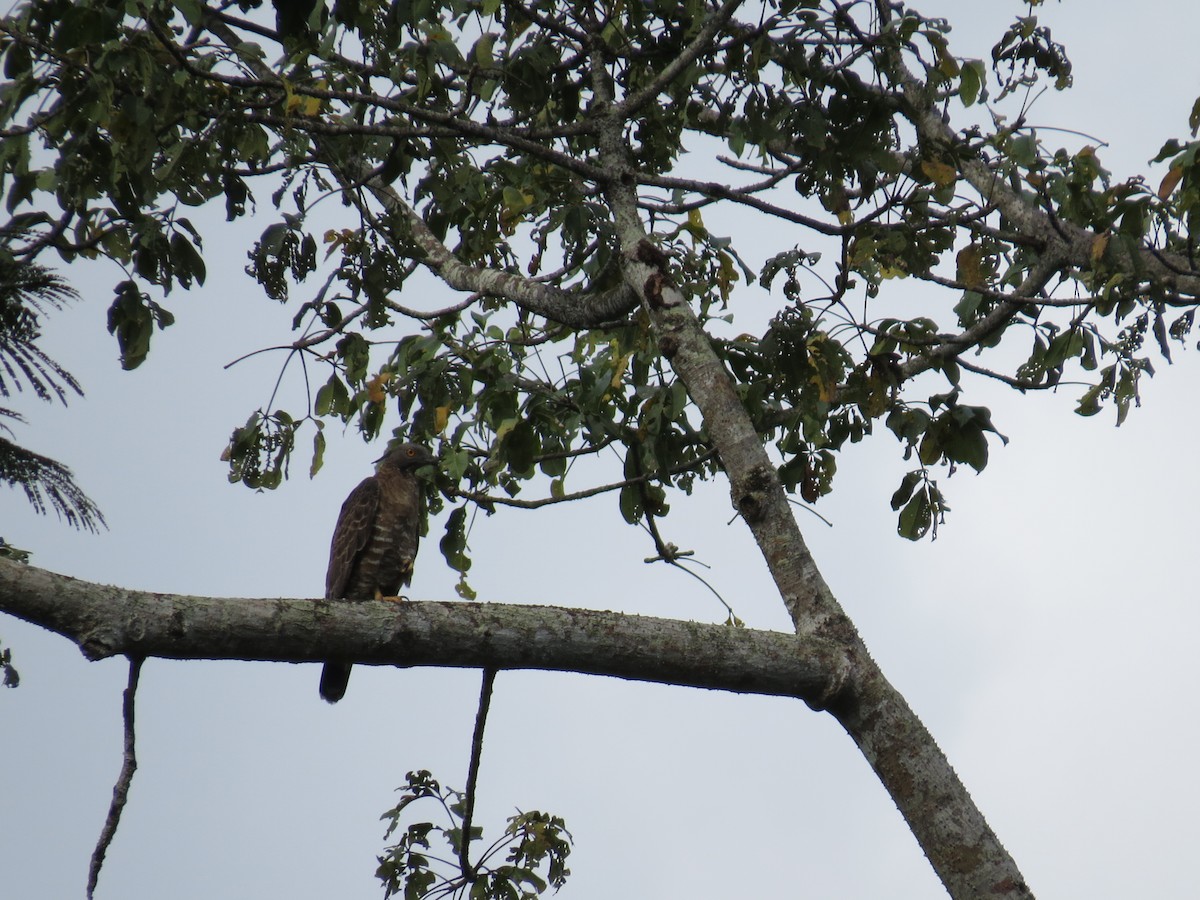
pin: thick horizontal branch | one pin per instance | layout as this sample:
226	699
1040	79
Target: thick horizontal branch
106	621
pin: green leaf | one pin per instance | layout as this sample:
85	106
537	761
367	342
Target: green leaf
521	446
972	80
916	518
131	320
907	485
1023	150
17	60
483	50
332	398
1089	403
454	542
318	458
930	449
186	260
464	590
631	504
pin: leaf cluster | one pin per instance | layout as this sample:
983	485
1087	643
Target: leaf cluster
521	865
467	141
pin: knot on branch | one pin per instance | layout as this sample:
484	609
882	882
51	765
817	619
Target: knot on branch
838	696
651	255
669	552
1011	887
97	645
652	290
750	495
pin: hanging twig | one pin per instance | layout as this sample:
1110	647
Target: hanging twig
485	701
121	788
671	554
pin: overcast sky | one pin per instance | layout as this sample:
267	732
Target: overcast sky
1046	638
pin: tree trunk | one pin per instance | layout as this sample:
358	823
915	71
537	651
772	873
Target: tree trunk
951	830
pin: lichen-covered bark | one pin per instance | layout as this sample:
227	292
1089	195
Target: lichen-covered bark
951	830
106	621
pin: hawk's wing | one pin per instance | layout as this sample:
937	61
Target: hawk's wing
350	536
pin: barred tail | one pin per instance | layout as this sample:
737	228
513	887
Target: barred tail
334	679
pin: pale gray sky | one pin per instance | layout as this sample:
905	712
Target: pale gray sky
1046	638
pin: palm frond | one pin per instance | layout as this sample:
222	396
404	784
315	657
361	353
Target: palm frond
48	485
27	289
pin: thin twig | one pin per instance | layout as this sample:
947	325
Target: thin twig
121	788
490	499
485	701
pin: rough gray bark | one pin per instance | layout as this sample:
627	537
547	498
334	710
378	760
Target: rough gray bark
960	845
109	621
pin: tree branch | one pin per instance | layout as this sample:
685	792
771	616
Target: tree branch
106	621
630	106
1037	278
124	780
577	309
1073	243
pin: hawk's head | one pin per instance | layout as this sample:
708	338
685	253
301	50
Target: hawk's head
407	457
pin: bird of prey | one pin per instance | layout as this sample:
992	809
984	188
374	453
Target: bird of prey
375	542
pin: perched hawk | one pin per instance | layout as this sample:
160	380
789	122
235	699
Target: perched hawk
375	542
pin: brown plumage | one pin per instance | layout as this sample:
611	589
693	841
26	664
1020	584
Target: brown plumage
375	542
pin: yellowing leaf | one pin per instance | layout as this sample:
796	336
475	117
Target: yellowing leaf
515	203
619	368
939	173
825	375
441	415
377	387
294	103
727	275
290	100
1099	243
947	64
970	269
1169	182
